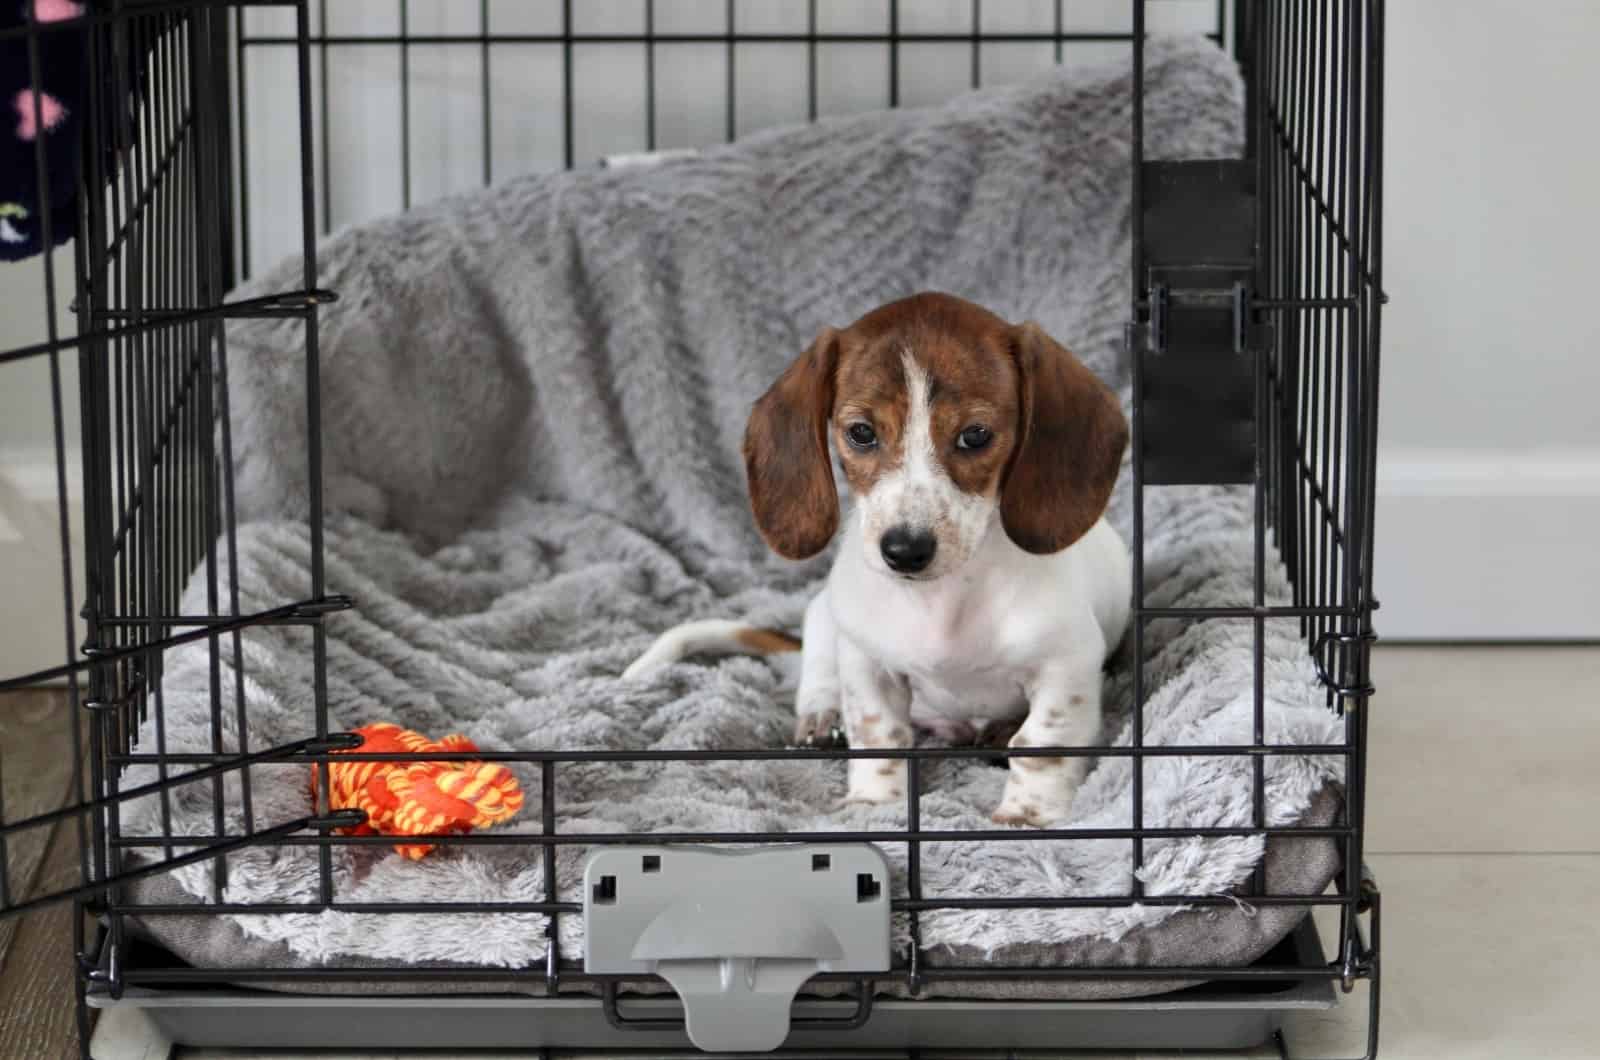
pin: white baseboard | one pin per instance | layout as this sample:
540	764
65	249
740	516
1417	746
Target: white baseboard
1484	545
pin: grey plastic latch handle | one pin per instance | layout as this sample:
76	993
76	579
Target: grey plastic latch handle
736	932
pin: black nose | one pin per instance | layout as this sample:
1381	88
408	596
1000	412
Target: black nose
906	550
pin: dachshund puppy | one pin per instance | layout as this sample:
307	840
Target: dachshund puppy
977	588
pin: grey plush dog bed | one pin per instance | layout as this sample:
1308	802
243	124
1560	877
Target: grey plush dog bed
533	397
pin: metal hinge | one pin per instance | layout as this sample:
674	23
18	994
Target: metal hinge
737	932
1163	298
1338	685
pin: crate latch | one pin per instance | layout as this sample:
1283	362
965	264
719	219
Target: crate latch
1162	299
736	933
1197	339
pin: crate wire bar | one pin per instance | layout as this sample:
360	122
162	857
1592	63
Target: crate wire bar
164	230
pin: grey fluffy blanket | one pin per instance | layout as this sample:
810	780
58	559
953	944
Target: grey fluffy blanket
532	403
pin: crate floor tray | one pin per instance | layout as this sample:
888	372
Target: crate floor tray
1210	1016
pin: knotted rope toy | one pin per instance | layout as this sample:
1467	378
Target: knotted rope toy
419	798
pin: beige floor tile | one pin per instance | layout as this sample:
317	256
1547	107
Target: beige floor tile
1488	956
1485	749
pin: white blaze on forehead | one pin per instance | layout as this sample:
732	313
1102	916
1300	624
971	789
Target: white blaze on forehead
920	460
908	495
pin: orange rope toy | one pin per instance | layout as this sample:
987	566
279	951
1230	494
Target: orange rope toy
419	798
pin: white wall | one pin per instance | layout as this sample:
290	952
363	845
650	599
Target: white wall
1490	462
31	602
1490	418
525	86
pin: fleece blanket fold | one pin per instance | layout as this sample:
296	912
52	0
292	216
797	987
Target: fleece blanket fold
532	401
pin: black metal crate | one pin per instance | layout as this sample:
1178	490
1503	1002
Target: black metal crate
1254	344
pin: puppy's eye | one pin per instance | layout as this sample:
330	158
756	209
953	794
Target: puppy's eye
861	435
974	437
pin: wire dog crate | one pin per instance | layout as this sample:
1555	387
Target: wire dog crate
1256	297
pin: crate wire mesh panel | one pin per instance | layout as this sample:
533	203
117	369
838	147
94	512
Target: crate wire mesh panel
152	261
172	208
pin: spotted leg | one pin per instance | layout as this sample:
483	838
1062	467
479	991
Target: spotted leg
877	714
1063	711
816	705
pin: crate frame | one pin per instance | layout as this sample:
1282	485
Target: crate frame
157	253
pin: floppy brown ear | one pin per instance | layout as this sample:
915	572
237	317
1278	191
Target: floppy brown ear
786	463
1072	437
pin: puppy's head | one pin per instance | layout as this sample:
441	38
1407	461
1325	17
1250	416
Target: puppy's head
946	418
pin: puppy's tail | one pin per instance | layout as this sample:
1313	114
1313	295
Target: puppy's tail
711	637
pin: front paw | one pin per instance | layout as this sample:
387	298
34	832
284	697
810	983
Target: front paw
875	781
1018	816
1026	804
1028	813
821	731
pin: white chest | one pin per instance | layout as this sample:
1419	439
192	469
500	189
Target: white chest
967	649
973	642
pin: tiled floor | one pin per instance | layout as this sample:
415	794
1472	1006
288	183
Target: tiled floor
1485	816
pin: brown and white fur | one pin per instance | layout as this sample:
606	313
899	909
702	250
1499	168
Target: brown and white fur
978	587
